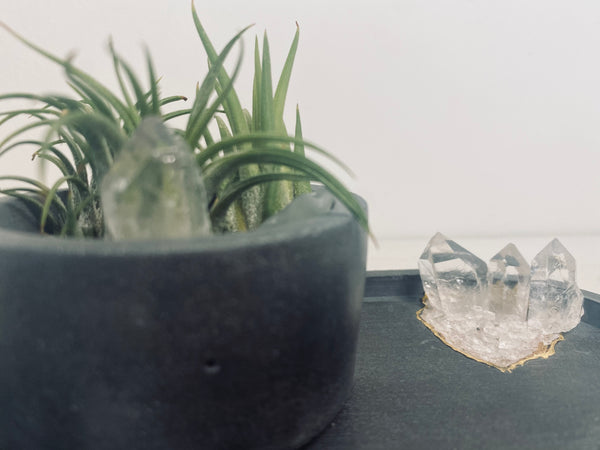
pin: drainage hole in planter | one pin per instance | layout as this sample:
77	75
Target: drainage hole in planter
211	366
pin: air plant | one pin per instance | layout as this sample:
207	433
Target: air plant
251	171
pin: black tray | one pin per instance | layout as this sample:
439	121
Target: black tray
413	392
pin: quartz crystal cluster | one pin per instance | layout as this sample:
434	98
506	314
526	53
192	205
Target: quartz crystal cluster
504	312
154	188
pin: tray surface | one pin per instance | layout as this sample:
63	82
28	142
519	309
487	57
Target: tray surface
412	391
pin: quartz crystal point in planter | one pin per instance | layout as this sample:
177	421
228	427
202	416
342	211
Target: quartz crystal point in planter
504	313
154	189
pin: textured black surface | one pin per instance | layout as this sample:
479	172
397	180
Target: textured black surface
413	392
245	341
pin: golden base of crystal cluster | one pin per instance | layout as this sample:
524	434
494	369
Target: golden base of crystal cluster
543	350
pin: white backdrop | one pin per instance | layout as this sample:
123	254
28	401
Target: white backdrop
468	117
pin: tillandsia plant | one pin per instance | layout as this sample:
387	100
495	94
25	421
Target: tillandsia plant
251	171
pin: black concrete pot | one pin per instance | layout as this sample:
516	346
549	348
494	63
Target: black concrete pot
240	341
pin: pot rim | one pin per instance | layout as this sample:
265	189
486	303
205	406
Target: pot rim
273	234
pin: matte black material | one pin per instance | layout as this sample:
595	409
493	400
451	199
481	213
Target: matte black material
413	392
244	341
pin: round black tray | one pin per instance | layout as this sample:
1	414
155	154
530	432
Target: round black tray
413	392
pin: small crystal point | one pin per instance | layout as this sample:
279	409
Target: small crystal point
555	301
508	283
454	279
154	189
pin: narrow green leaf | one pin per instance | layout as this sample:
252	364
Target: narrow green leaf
221	169
90	96
118	73
234	191
267	111
31	199
77	154
299	144
38	184
208	139
71	225
53	198
25	190
300	187
103	138
280	193
58	163
248	118
59	160
141	102
284	79
234	217
223	129
26	143
256	89
232	104
171	99
23	129
212	151
77	185
56	101
172	115
34	112
252	199
126	114
201	115
155	104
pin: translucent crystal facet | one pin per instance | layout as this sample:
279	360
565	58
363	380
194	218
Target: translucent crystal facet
505	313
555	301
154	188
508	283
454	279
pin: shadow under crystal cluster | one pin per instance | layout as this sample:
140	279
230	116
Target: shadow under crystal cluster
504	312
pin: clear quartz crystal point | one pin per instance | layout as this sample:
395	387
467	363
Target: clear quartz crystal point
504	314
154	188
453	278
555	301
508	283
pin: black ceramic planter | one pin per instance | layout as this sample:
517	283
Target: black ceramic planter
244	341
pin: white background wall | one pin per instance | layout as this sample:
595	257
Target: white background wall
468	117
